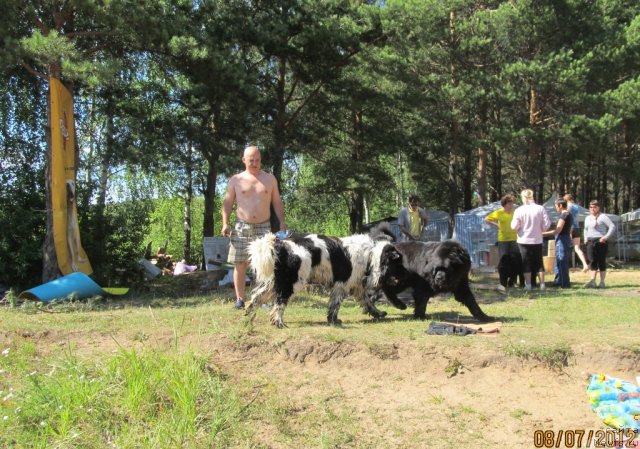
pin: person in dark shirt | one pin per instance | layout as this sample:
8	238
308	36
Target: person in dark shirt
563	244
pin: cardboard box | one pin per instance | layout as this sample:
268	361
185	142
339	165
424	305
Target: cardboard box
549	264
216	250
551	248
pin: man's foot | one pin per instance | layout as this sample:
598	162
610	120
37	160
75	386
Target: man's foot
590	284
239	303
601	284
585	268
542	287
527	288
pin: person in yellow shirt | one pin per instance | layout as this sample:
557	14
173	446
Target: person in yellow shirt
501	218
412	219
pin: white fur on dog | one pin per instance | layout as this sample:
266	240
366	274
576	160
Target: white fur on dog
361	249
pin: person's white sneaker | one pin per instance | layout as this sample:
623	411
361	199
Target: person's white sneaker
527	287
543	287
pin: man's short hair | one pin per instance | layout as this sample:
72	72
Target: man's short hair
413	197
562	202
507	199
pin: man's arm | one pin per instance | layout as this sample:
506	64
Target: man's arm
611	228
403	222
546	221
278	205
227	205
492	220
515	221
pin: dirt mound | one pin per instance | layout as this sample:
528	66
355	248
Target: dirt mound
453	394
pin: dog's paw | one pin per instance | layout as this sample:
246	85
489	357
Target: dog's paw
279	324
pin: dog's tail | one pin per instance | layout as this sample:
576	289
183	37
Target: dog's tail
262	257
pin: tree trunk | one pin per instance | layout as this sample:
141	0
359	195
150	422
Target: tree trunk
356	203
453	132
188	198
210	193
534	149
356	207
468	179
482	158
99	244
50	270
627	160
279	134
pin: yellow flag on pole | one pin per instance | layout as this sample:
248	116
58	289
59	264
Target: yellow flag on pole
66	234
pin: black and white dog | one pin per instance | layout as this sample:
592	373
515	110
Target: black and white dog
429	268
349	266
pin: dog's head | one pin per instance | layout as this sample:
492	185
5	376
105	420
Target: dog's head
448	264
392	272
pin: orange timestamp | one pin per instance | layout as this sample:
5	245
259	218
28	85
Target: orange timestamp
579	438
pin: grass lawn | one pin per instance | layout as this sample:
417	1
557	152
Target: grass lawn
161	372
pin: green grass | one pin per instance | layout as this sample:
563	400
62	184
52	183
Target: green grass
139	372
133	399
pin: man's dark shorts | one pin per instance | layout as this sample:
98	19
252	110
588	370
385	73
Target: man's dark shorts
242	234
531	258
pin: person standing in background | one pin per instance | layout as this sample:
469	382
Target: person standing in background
573	208
563	243
412	219
598	229
501	219
530	220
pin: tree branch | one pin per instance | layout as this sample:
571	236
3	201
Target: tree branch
89	33
33	71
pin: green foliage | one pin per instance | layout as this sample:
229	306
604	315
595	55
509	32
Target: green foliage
167	225
356	104
22	202
126	226
49	49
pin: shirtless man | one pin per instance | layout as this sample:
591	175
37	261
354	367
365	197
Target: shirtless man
254	191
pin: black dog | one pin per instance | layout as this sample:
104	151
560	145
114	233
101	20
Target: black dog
429	268
510	270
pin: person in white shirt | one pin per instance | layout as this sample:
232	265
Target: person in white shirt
530	220
598	229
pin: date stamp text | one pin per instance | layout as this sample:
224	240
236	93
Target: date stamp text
579	438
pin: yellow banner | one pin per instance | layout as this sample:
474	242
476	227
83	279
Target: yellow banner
66	234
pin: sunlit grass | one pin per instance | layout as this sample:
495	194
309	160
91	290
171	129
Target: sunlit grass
139	372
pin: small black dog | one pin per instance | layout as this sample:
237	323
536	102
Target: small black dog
510	270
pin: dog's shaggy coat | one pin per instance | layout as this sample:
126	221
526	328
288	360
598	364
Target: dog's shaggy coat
348	266
429	268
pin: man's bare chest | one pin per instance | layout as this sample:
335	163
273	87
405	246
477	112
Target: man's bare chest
248	188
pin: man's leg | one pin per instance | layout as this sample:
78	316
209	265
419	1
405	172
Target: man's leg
526	266
239	279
